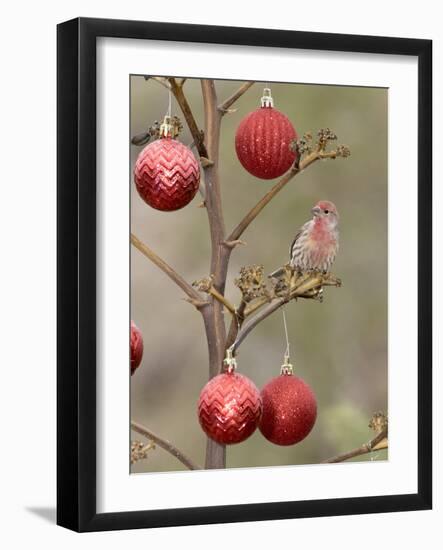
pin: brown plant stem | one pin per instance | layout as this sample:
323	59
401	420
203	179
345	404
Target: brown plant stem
214	318
250	324
213	292
224	107
266	199
302	286
177	90
238	231
194	296
166	445
379	442
258	318
207	144
236	324
206	285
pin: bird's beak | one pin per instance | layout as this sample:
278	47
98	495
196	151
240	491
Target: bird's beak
316	211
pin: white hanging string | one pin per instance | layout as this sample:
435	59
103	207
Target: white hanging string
286	334
169	102
166	129
229	358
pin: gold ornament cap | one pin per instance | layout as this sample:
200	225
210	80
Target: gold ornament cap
229	361
266	100
166	128
287	367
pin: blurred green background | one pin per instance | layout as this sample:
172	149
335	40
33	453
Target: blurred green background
339	346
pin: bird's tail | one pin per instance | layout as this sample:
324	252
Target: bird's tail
277	274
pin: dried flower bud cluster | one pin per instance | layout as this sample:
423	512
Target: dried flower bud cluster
177	126
324	136
343	151
153	132
303	145
251	282
291	284
378	422
139	451
282	280
205	284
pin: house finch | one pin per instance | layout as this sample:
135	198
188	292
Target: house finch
316	243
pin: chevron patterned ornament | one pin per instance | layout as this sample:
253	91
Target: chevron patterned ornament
229	408
289	409
263	141
136	347
167	174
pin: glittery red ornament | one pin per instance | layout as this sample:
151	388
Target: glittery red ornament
229	408
167	174
136	347
289	410
263	141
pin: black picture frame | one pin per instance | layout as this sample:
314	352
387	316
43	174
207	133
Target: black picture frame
76	265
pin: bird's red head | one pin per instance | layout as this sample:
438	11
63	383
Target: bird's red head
325	209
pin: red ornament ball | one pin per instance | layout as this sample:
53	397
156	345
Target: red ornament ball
136	347
167	174
262	143
229	408
289	410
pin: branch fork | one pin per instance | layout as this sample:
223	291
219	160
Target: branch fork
207	285
290	286
233	244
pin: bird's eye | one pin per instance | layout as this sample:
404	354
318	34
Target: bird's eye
326	211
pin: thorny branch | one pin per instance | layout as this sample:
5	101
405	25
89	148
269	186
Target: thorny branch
288	287
236	324
194	297
252	308
166	445
311	154
214	316
206	285
197	134
224	107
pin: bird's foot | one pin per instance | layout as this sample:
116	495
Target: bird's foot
331	280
